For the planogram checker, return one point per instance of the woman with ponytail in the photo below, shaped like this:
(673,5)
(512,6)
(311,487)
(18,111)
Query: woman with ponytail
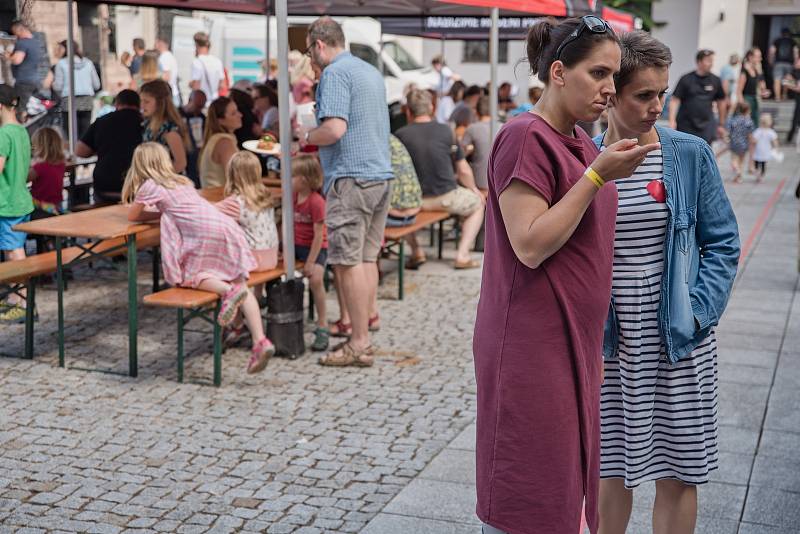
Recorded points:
(546,289)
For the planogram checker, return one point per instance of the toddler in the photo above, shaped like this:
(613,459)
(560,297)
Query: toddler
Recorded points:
(764,141)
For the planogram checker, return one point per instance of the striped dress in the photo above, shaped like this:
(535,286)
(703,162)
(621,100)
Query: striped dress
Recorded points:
(657,420)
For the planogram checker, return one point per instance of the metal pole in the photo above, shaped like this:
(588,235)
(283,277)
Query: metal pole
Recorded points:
(494,42)
(441,72)
(267,48)
(70,78)
(285,130)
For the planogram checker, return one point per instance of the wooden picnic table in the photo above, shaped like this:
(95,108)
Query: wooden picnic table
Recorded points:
(99,225)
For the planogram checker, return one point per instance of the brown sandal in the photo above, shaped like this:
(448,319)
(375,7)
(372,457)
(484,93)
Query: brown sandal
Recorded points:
(346,356)
(469,264)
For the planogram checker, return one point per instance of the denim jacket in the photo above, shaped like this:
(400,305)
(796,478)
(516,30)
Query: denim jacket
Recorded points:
(701,248)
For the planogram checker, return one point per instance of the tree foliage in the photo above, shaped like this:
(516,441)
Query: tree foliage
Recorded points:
(640,8)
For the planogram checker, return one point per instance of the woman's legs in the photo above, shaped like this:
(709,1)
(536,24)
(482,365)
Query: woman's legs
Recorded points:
(616,502)
(675,509)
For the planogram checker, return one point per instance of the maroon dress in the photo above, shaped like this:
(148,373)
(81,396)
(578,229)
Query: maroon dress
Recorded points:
(538,344)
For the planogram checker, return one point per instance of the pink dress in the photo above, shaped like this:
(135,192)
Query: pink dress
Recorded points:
(197,240)
(538,344)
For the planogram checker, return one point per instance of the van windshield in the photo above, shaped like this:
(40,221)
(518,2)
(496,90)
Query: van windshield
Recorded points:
(400,56)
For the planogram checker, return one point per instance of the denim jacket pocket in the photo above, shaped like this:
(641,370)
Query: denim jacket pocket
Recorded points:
(611,333)
(685,222)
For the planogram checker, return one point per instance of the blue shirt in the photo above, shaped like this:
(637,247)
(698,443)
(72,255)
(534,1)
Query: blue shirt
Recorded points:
(27,72)
(351,89)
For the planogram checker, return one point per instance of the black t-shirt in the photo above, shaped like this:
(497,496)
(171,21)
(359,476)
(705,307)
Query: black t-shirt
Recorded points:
(784,50)
(245,133)
(431,146)
(113,138)
(697,94)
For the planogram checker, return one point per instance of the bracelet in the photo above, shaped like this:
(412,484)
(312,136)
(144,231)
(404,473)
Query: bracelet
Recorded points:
(595,178)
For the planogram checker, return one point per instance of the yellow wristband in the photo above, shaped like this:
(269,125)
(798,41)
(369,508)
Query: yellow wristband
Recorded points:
(592,175)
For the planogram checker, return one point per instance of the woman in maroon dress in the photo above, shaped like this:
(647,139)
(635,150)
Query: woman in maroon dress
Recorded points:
(546,289)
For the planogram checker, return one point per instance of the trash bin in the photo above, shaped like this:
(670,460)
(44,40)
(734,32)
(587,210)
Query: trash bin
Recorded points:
(285,317)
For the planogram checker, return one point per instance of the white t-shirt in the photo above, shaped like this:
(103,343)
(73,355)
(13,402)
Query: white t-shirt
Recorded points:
(763,138)
(444,80)
(209,72)
(445,109)
(167,62)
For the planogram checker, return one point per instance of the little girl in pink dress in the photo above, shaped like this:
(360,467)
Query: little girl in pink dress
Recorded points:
(200,247)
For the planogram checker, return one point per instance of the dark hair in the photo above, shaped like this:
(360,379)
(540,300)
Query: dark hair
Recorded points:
(7,96)
(138,44)
(640,50)
(76,50)
(128,97)
(546,36)
(265,91)
(786,31)
(201,39)
(702,54)
(483,106)
(327,30)
(244,102)
(457,90)
(19,22)
(742,108)
(473,90)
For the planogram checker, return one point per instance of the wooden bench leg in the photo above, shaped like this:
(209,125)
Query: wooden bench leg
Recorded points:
(401,266)
(30,310)
(310,303)
(180,344)
(217,348)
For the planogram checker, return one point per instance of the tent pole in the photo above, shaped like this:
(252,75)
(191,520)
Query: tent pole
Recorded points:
(267,47)
(71,78)
(494,42)
(287,207)
(441,73)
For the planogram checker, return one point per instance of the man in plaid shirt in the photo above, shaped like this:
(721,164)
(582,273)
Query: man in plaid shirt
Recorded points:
(353,140)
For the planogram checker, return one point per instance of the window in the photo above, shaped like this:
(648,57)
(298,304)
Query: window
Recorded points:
(367,54)
(478,52)
(400,56)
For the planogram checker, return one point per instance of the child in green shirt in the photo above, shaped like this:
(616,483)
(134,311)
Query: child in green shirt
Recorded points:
(16,204)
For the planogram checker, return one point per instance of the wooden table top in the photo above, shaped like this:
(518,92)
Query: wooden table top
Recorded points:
(107,222)
(100,223)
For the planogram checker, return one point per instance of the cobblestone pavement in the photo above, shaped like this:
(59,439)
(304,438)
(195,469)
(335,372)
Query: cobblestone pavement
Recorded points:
(299,448)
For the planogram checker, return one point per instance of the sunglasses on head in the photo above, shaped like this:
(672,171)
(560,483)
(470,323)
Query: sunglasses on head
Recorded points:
(588,22)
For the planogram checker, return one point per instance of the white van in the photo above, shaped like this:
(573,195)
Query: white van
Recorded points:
(240,41)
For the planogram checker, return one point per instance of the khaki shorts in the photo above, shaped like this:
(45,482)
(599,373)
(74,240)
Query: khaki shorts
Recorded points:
(460,201)
(355,214)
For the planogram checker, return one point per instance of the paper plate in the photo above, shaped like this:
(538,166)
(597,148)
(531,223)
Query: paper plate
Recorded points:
(252,146)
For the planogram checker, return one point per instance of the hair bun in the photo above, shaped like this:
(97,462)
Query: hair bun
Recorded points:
(537,41)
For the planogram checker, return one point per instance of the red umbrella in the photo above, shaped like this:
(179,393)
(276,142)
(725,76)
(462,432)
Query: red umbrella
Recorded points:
(556,8)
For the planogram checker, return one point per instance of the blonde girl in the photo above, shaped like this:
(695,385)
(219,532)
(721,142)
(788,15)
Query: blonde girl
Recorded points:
(47,171)
(148,71)
(200,247)
(310,241)
(162,123)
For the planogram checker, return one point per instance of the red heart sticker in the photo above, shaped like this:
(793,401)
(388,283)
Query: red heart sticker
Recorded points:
(657,191)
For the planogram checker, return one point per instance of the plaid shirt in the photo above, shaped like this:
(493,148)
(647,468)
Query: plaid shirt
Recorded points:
(351,89)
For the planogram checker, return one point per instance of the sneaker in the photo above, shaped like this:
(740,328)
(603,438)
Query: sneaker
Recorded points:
(14,314)
(321,339)
(233,336)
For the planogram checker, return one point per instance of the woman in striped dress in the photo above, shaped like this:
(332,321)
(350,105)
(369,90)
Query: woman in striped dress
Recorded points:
(659,397)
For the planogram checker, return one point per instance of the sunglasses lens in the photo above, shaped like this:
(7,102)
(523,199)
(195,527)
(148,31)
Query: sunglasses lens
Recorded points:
(595,24)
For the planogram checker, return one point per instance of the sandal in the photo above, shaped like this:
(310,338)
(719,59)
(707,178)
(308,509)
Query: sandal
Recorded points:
(260,355)
(346,356)
(321,339)
(340,329)
(413,263)
(374,323)
(469,264)
(233,336)
(230,304)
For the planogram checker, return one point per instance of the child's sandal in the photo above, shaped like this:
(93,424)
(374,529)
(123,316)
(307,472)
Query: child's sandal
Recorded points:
(230,304)
(260,355)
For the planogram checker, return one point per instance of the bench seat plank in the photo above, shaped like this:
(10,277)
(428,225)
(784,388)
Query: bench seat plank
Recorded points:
(423,220)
